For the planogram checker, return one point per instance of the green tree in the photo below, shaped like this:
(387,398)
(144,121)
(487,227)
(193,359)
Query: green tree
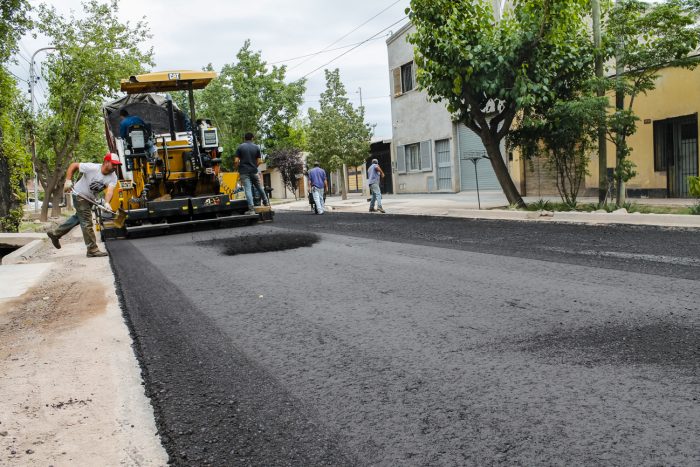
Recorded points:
(487,69)
(565,134)
(14,164)
(644,38)
(250,97)
(93,53)
(338,135)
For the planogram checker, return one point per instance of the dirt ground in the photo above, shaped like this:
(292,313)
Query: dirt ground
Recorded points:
(71,387)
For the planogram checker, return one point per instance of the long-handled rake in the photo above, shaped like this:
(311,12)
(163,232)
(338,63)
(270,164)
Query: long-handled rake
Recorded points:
(119,216)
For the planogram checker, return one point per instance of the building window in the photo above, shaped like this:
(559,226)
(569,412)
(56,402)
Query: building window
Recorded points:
(413,157)
(416,157)
(407,78)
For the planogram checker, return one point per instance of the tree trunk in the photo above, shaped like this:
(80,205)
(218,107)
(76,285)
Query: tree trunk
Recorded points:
(493,149)
(44,209)
(341,180)
(599,73)
(49,188)
(56,200)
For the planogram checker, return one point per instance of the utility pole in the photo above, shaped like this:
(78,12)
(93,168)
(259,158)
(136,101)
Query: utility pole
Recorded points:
(599,73)
(359,90)
(32,82)
(619,107)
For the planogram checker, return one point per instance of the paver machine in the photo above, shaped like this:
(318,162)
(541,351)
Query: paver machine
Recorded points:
(171,175)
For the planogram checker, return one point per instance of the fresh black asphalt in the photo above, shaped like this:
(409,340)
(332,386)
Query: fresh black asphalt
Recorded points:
(350,339)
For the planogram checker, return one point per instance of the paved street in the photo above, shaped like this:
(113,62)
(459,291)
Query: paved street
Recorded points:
(358,339)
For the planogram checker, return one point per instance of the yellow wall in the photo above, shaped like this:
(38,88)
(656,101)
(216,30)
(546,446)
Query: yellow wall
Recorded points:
(677,94)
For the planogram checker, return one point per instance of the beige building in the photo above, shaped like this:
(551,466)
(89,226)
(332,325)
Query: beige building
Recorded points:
(664,148)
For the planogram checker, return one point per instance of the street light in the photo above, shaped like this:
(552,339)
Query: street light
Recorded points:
(32,80)
(475,160)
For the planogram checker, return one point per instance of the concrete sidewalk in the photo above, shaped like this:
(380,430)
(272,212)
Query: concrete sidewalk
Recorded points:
(71,387)
(465,205)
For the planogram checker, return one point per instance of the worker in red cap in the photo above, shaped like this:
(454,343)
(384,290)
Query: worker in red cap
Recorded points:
(96,178)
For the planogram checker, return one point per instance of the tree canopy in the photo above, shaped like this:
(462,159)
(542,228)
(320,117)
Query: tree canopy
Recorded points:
(486,69)
(250,97)
(337,132)
(14,159)
(93,52)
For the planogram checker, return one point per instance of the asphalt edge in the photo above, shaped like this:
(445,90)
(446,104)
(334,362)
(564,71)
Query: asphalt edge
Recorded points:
(138,353)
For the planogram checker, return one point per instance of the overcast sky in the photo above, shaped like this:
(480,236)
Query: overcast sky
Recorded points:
(190,34)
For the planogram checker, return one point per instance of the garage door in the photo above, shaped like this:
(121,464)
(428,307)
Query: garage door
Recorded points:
(470,145)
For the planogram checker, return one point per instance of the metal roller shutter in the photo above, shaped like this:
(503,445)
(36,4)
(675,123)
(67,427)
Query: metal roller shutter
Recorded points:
(470,145)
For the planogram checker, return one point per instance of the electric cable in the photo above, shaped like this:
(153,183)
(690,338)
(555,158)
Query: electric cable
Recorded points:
(15,76)
(320,52)
(356,29)
(357,46)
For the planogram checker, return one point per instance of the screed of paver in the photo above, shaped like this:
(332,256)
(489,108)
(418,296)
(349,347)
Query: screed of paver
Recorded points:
(71,387)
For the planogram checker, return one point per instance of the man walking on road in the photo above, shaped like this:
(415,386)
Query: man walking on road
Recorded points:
(248,158)
(318,185)
(374,174)
(95,179)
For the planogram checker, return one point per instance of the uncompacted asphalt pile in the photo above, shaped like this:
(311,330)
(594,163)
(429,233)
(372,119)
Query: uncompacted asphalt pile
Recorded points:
(351,339)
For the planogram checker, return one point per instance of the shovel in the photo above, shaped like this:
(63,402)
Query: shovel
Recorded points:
(119,216)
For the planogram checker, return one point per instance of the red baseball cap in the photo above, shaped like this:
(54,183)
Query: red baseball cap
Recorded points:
(113,158)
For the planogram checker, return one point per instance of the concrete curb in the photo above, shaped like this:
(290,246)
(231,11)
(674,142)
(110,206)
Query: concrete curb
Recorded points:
(24,253)
(655,220)
(29,244)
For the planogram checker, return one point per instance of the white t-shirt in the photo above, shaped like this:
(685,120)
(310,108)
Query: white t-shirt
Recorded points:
(93,180)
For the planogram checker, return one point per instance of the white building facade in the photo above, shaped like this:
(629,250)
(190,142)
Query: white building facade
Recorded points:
(430,152)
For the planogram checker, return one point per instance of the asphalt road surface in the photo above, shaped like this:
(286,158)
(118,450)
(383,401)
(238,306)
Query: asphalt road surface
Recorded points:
(350,339)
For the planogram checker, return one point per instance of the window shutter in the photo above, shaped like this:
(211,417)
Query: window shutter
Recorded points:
(414,75)
(426,156)
(397,81)
(401,159)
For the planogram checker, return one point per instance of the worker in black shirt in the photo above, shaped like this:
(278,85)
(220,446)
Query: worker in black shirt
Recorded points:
(248,158)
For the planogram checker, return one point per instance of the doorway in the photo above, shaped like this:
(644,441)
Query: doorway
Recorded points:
(444,164)
(676,152)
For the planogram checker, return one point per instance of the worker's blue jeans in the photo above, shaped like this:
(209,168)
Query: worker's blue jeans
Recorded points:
(376,196)
(249,181)
(318,199)
(82,217)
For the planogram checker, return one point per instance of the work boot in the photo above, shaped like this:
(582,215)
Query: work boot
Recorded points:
(96,254)
(372,210)
(381,209)
(54,240)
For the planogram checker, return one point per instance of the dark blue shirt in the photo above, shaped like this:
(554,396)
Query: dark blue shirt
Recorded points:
(317,177)
(128,122)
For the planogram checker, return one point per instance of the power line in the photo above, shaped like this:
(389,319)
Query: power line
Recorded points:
(322,52)
(357,46)
(16,77)
(346,35)
(314,101)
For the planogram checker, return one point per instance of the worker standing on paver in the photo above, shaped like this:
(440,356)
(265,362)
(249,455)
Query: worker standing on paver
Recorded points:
(374,175)
(96,178)
(318,185)
(248,158)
